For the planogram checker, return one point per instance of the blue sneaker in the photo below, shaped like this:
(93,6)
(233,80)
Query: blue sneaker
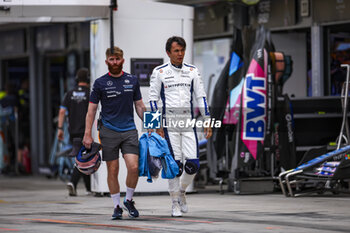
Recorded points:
(130,207)
(118,213)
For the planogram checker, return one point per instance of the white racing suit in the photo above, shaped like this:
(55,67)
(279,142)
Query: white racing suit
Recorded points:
(176,88)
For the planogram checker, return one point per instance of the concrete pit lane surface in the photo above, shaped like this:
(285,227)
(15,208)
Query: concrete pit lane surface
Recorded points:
(37,204)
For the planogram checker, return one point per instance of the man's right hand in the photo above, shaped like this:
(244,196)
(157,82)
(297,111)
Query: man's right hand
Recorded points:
(87,141)
(60,135)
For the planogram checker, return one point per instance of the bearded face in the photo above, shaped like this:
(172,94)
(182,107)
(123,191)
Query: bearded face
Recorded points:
(114,68)
(115,64)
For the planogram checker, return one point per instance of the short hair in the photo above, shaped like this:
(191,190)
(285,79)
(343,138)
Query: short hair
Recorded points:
(181,41)
(116,52)
(83,75)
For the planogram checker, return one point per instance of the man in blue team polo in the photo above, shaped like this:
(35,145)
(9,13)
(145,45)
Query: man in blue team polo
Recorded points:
(117,92)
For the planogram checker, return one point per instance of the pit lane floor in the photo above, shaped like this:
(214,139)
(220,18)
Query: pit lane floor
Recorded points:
(36,204)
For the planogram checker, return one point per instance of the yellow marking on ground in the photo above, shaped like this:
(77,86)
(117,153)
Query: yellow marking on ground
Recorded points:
(89,224)
(2,201)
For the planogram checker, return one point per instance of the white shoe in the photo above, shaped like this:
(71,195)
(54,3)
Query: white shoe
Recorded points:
(88,193)
(71,189)
(182,202)
(175,210)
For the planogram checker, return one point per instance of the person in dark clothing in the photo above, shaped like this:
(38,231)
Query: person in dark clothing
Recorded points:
(23,114)
(118,92)
(23,154)
(76,103)
(9,105)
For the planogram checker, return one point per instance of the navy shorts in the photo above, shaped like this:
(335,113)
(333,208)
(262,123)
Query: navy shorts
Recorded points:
(112,141)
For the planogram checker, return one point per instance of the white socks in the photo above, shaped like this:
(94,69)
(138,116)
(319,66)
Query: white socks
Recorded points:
(116,199)
(129,193)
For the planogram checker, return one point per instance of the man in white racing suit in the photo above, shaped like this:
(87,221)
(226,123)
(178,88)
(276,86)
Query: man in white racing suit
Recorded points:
(175,83)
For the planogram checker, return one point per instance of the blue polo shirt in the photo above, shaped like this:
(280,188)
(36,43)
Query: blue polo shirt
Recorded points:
(117,96)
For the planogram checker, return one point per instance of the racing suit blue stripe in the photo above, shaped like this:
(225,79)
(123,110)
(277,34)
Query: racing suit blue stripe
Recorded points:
(195,134)
(153,103)
(189,66)
(191,92)
(162,67)
(162,96)
(192,116)
(150,103)
(206,107)
(166,134)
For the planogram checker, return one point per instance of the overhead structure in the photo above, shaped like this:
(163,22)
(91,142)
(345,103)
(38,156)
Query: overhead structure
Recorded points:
(208,2)
(17,11)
